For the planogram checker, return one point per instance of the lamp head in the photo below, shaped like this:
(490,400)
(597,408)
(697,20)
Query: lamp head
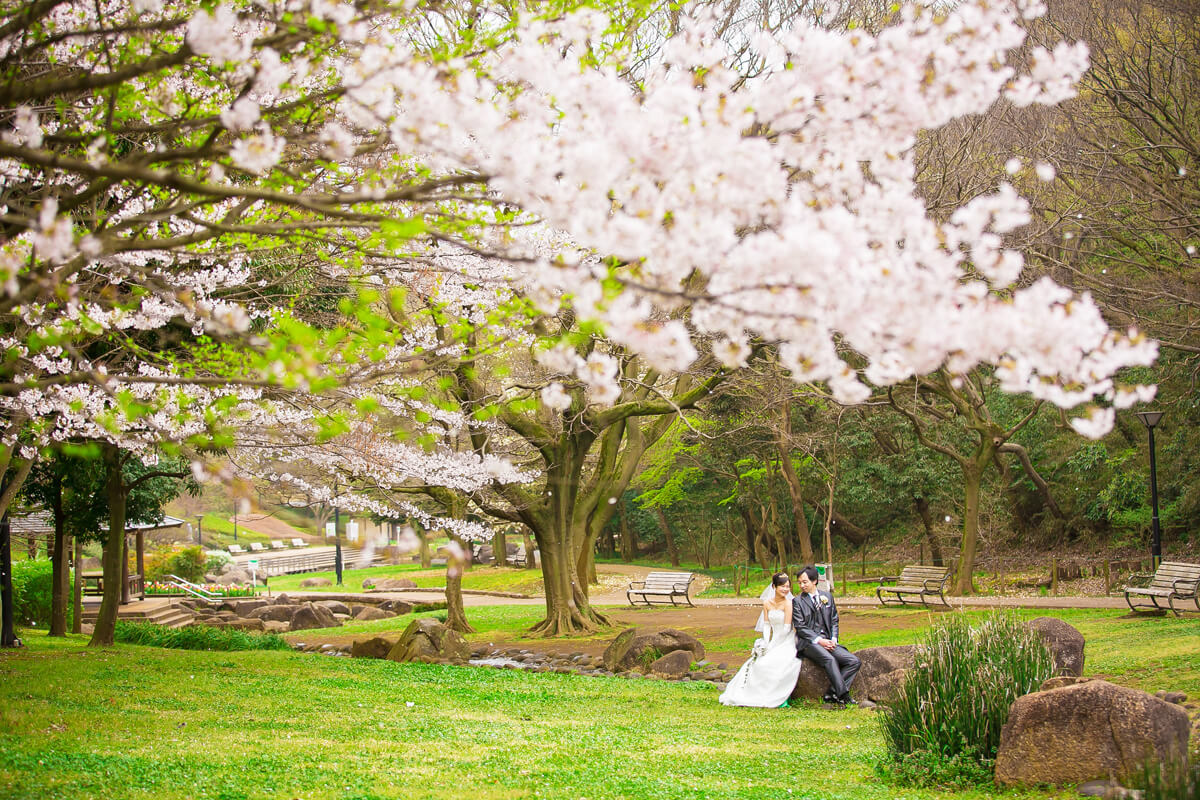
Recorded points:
(1150,418)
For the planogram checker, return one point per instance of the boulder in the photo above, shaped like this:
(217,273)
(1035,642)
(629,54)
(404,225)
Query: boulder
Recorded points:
(271,626)
(396,606)
(311,615)
(336,606)
(370,612)
(375,647)
(1064,642)
(633,649)
(1087,731)
(243,624)
(675,664)
(1059,681)
(235,577)
(394,583)
(427,639)
(244,607)
(274,613)
(284,600)
(309,583)
(368,583)
(879,678)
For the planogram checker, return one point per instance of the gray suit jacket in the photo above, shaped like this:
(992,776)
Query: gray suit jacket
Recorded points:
(812,623)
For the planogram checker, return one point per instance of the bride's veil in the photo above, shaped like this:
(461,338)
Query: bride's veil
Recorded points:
(767,594)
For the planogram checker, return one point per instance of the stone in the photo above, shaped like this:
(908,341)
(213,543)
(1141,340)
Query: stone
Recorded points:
(397,607)
(276,613)
(394,583)
(87,629)
(311,615)
(235,577)
(243,624)
(355,608)
(1111,790)
(284,600)
(429,639)
(1087,731)
(368,583)
(1064,642)
(244,607)
(1179,698)
(375,647)
(879,678)
(271,626)
(634,650)
(309,583)
(370,612)
(675,664)
(1059,681)
(336,606)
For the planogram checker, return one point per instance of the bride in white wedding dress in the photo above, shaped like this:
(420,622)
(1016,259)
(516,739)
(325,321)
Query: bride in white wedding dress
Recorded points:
(768,677)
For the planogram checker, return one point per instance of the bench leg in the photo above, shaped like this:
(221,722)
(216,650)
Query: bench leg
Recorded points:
(1171,603)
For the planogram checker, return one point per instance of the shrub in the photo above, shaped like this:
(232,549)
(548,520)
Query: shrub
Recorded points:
(187,562)
(924,768)
(196,637)
(32,582)
(956,698)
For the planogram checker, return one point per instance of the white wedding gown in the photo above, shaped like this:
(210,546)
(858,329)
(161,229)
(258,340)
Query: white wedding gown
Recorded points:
(767,680)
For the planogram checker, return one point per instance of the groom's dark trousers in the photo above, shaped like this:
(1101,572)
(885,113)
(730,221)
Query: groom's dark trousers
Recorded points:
(819,619)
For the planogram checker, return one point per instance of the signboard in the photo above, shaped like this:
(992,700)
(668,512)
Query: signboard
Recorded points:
(330,530)
(352,531)
(825,577)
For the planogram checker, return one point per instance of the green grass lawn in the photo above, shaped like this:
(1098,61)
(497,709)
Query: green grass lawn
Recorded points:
(139,722)
(135,722)
(484,578)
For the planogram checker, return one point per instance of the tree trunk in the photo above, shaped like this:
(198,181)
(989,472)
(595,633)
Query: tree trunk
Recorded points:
(59,564)
(530,561)
(935,549)
(456,615)
(796,492)
(77,587)
(500,549)
(964,581)
(114,549)
(426,556)
(665,524)
(628,543)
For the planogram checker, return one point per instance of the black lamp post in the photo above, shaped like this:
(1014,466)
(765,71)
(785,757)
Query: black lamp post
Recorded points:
(1150,419)
(200,529)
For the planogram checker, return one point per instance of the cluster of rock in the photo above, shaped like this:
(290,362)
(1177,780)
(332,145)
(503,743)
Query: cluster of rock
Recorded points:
(282,614)
(658,655)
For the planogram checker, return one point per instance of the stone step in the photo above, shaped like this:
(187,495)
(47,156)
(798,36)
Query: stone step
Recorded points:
(169,616)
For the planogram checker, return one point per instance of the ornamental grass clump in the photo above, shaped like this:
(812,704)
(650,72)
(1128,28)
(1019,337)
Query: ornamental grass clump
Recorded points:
(196,637)
(956,698)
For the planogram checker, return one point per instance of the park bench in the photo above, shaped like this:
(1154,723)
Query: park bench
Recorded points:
(299,543)
(276,544)
(668,585)
(1173,580)
(236,550)
(256,547)
(924,582)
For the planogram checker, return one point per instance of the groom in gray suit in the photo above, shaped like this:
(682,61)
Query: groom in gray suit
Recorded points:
(815,618)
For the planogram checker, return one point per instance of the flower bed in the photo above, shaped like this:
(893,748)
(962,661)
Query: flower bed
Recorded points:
(159,589)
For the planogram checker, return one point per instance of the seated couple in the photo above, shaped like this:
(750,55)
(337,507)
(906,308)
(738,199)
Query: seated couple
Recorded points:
(793,627)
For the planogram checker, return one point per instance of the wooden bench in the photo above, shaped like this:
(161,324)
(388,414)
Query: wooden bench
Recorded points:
(924,582)
(662,584)
(299,543)
(236,550)
(256,547)
(276,544)
(1173,580)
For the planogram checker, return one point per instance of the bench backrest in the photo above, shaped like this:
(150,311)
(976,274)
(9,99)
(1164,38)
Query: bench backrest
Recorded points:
(667,580)
(236,548)
(298,543)
(256,546)
(916,576)
(1169,572)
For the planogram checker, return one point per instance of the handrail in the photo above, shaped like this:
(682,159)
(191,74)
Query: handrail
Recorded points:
(194,589)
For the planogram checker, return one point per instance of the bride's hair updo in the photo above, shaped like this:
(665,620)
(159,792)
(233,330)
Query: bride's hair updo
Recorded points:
(779,579)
